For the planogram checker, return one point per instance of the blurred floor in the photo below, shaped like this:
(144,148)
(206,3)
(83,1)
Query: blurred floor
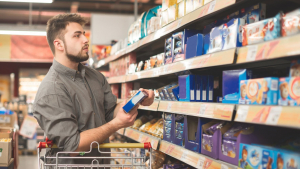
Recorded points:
(28,162)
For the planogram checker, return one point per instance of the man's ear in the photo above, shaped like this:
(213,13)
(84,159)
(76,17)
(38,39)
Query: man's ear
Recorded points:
(58,44)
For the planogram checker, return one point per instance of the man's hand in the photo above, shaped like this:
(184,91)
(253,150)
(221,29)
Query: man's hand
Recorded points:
(124,119)
(150,99)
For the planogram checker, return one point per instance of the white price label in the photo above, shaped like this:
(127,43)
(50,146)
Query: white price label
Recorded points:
(28,128)
(200,163)
(251,55)
(224,166)
(202,109)
(212,6)
(169,107)
(242,113)
(274,115)
(184,155)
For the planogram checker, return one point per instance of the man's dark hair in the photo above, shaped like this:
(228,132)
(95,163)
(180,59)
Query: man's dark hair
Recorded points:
(56,26)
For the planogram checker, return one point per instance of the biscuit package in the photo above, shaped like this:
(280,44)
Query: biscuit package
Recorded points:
(261,31)
(228,148)
(254,13)
(262,91)
(232,34)
(207,142)
(289,91)
(291,23)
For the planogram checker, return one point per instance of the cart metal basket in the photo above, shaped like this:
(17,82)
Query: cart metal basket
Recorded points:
(95,163)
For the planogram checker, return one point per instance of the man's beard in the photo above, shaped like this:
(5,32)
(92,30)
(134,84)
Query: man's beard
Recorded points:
(77,58)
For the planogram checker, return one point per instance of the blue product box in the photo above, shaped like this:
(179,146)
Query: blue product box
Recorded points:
(179,43)
(171,93)
(219,99)
(168,117)
(194,46)
(167,130)
(206,43)
(295,68)
(169,50)
(254,13)
(176,92)
(286,159)
(232,34)
(216,42)
(186,88)
(255,157)
(231,82)
(179,126)
(210,88)
(204,83)
(136,99)
(198,88)
(262,91)
(234,15)
(288,93)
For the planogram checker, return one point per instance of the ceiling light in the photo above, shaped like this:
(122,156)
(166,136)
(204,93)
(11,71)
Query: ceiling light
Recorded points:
(28,1)
(33,33)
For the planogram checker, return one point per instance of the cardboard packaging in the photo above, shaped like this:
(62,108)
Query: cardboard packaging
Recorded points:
(192,131)
(295,68)
(231,84)
(232,34)
(169,50)
(173,94)
(168,130)
(179,133)
(198,88)
(216,41)
(265,30)
(172,13)
(207,84)
(6,132)
(10,165)
(290,23)
(194,46)
(186,88)
(289,91)
(286,159)
(5,151)
(210,143)
(136,99)
(254,13)
(181,8)
(262,91)
(179,43)
(7,119)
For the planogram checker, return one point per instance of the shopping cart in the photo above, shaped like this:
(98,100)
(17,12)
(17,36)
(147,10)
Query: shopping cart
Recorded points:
(95,163)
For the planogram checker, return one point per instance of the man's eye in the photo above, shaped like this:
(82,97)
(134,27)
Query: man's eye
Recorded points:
(77,36)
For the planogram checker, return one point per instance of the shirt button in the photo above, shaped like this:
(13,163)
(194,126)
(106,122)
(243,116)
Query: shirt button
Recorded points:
(77,72)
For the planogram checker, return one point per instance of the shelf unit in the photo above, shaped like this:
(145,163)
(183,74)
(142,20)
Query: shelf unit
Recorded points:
(192,158)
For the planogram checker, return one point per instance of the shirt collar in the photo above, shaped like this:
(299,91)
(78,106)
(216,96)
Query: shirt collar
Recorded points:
(70,73)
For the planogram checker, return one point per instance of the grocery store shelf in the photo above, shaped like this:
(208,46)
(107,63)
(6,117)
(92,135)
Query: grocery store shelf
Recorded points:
(282,47)
(199,109)
(194,159)
(153,107)
(284,116)
(214,59)
(173,26)
(142,137)
(116,79)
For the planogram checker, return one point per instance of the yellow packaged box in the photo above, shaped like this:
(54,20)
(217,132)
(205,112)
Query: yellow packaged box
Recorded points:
(6,132)
(164,18)
(181,8)
(167,3)
(198,3)
(172,13)
(189,6)
(5,151)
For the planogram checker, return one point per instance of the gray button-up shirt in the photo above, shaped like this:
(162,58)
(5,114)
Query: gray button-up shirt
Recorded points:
(69,102)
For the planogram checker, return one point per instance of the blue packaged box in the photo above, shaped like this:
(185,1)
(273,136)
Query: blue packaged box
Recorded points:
(194,46)
(176,92)
(171,93)
(231,82)
(234,15)
(210,88)
(168,50)
(255,157)
(254,13)
(216,42)
(262,91)
(136,99)
(288,93)
(179,126)
(168,123)
(286,159)
(186,88)
(198,88)
(232,34)
(204,82)
(179,43)
(295,68)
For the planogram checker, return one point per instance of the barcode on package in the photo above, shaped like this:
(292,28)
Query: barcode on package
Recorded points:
(192,95)
(198,95)
(274,85)
(210,95)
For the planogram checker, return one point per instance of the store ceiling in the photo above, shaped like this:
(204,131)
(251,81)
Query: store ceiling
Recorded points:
(18,13)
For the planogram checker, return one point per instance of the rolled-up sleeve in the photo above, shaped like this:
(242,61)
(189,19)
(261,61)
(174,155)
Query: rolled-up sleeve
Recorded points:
(110,100)
(55,115)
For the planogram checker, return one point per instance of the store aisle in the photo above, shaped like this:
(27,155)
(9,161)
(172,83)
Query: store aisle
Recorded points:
(28,162)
